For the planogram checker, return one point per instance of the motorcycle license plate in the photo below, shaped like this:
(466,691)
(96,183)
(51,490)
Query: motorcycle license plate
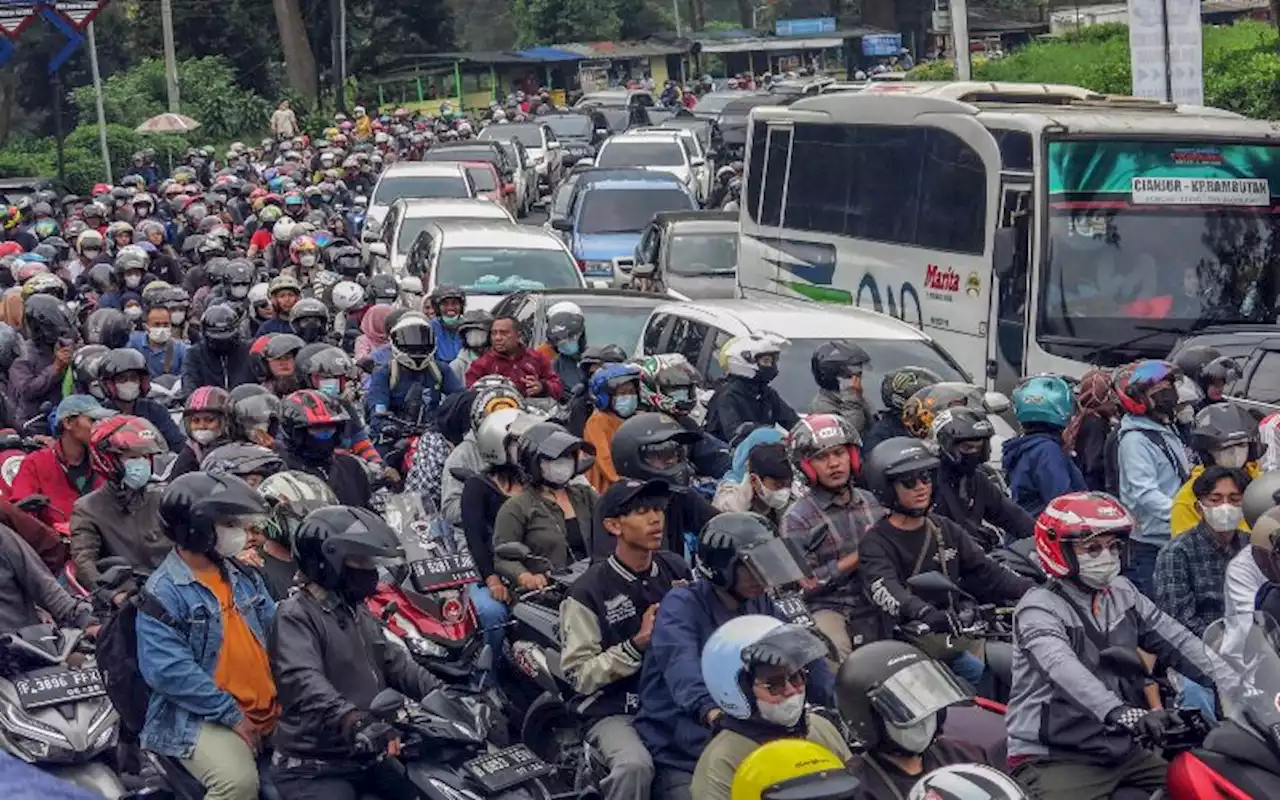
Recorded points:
(510,766)
(55,686)
(443,572)
(793,608)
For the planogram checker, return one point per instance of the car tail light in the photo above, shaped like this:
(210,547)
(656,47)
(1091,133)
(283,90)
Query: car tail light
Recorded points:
(1189,778)
(582,265)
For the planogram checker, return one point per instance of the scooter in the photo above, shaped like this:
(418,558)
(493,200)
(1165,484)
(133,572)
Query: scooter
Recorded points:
(54,711)
(13,449)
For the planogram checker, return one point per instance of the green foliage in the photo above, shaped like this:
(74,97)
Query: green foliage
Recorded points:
(540,22)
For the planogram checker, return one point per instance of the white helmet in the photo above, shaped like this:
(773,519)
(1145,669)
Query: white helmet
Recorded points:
(738,355)
(411,284)
(564,307)
(258,294)
(89,238)
(491,436)
(283,231)
(347,295)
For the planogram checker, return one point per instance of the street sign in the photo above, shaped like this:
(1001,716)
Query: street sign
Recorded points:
(79,12)
(68,30)
(16,16)
(804,27)
(1165,49)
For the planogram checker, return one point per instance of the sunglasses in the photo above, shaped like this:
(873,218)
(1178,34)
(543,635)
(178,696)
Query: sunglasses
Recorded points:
(912,481)
(795,680)
(1093,549)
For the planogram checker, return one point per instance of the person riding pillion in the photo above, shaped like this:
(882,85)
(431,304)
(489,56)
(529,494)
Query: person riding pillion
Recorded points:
(837,370)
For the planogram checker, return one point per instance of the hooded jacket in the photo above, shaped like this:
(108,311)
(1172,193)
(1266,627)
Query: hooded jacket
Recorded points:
(740,400)
(1039,470)
(204,367)
(34,379)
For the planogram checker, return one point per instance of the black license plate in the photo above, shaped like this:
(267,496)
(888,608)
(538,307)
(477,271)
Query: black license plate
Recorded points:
(508,767)
(794,608)
(444,572)
(55,686)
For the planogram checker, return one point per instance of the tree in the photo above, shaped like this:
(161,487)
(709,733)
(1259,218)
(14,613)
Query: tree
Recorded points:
(300,62)
(549,21)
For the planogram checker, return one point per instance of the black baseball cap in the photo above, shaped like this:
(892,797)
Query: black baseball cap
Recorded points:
(620,495)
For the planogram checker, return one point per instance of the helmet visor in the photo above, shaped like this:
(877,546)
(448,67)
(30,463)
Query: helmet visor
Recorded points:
(911,694)
(791,647)
(664,455)
(776,563)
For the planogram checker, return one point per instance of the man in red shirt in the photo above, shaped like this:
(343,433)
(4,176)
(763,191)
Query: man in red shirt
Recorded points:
(62,472)
(507,356)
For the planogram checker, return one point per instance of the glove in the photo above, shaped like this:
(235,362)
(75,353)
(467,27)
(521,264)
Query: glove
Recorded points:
(940,621)
(371,736)
(1144,724)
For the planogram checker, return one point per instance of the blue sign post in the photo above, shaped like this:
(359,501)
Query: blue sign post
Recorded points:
(805,27)
(74,39)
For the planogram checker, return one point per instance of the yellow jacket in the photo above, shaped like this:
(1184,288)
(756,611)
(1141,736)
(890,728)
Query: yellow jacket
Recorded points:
(1184,515)
(599,430)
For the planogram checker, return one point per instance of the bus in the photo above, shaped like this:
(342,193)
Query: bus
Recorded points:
(1030,228)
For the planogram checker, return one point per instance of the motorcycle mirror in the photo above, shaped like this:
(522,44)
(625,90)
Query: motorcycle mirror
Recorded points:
(996,402)
(1125,661)
(387,704)
(32,503)
(512,551)
(935,583)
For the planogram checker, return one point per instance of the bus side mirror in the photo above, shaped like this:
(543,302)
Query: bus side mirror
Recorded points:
(1003,249)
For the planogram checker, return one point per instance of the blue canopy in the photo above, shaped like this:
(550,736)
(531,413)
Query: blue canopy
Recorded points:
(550,54)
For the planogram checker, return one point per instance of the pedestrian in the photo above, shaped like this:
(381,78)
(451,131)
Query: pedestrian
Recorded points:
(284,123)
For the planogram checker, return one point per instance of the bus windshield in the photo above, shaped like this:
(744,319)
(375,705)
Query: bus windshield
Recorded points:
(1148,240)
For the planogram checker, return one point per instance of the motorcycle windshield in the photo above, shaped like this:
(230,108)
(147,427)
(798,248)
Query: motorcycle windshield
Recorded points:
(1244,650)
(419,527)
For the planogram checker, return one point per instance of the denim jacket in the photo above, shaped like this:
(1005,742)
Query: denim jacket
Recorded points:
(1148,479)
(178,665)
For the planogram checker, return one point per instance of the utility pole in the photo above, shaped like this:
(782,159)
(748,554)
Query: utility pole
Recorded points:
(342,55)
(97,100)
(960,38)
(675,9)
(170,57)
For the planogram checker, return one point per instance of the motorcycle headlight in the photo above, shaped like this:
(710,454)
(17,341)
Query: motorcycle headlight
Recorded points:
(102,727)
(34,749)
(26,727)
(426,647)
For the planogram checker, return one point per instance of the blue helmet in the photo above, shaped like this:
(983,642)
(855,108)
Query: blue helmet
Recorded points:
(608,378)
(745,641)
(1046,399)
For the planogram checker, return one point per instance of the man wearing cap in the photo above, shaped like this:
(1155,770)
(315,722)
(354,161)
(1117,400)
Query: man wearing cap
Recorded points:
(605,625)
(62,471)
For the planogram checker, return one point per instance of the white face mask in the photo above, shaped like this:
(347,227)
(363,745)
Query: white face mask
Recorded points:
(178,317)
(1224,518)
(787,713)
(917,738)
(159,334)
(476,339)
(239,291)
(776,499)
(1098,573)
(134,313)
(204,435)
(128,391)
(133,281)
(559,471)
(1185,415)
(1235,456)
(231,539)
(307,260)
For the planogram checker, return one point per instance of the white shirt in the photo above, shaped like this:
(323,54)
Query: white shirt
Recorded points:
(1243,580)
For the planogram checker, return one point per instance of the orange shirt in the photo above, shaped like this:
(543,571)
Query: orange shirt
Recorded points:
(243,670)
(599,430)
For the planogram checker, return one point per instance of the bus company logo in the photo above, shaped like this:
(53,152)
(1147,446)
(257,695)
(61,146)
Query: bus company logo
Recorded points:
(941,280)
(1197,155)
(973,284)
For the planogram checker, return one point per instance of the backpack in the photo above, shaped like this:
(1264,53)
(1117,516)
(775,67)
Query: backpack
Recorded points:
(1111,456)
(118,658)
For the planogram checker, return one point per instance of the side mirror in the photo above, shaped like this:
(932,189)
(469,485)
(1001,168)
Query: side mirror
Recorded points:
(361,201)
(699,162)
(602,132)
(1124,661)
(562,224)
(554,145)
(387,704)
(512,551)
(996,402)
(1003,248)
(934,583)
(378,249)
(508,189)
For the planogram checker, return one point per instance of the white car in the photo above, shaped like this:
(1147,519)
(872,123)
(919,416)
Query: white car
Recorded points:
(490,259)
(407,218)
(413,180)
(694,150)
(655,150)
(540,142)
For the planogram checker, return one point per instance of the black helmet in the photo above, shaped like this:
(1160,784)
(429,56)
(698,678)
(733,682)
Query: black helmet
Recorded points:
(305,408)
(476,319)
(84,367)
(548,441)
(309,318)
(10,346)
(238,278)
(327,536)
(46,320)
(746,538)
(220,326)
(383,288)
(1194,359)
(651,445)
(443,292)
(120,361)
(967,782)
(832,361)
(319,360)
(596,354)
(891,682)
(898,385)
(893,458)
(108,326)
(254,408)
(195,503)
(1222,425)
(102,278)
(242,460)
(952,427)
(283,345)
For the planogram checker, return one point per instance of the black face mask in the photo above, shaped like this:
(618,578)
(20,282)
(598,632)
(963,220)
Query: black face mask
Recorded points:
(309,330)
(1165,401)
(968,463)
(222,344)
(356,584)
(765,375)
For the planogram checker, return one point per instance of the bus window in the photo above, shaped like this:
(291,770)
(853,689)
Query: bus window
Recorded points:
(775,176)
(1011,303)
(755,167)
(953,196)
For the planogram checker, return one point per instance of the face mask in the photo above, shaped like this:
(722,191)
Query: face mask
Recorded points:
(204,435)
(1186,415)
(137,472)
(559,471)
(626,404)
(159,334)
(776,499)
(133,281)
(239,291)
(476,339)
(129,391)
(221,345)
(357,584)
(451,322)
(787,713)
(568,348)
(968,463)
(319,445)
(766,374)
(91,254)
(917,738)
(846,388)
(1234,456)
(1165,401)
(331,386)
(1224,518)
(178,317)
(307,261)
(134,313)
(1098,573)
(231,539)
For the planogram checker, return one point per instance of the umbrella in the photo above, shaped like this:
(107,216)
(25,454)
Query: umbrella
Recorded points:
(168,123)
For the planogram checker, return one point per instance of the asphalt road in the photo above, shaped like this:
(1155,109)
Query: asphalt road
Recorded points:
(537,216)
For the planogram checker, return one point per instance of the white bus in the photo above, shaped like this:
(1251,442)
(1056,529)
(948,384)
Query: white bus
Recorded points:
(1082,229)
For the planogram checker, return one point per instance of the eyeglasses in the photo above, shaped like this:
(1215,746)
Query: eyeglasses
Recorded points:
(796,680)
(912,481)
(1094,548)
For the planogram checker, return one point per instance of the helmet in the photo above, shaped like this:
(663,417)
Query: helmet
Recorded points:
(239,278)
(818,433)
(1135,380)
(793,768)
(89,240)
(413,342)
(108,326)
(282,232)
(327,536)
(967,782)
(565,323)
(207,400)
(738,356)
(597,354)
(738,645)
(650,445)
(668,383)
(891,683)
(284,283)
(45,319)
(291,496)
(498,433)
(305,408)
(1192,361)
(547,441)
(116,438)
(919,410)
(896,457)
(11,346)
(476,319)
(742,538)
(493,393)
(446,291)
(1262,495)
(955,427)
(383,288)
(242,460)
(120,362)
(259,295)
(45,283)
(1222,425)
(1043,399)
(309,318)
(346,295)
(899,385)
(1216,376)
(1073,517)
(84,365)
(832,361)
(195,505)
(220,324)
(131,258)
(254,409)
(607,380)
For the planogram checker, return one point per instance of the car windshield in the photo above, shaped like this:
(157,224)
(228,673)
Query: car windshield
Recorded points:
(715,102)
(795,378)
(702,254)
(628,210)
(410,227)
(571,126)
(483,178)
(641,154)
(1151,240)
(527,135)
(613,323)
(500,270)
(419,187)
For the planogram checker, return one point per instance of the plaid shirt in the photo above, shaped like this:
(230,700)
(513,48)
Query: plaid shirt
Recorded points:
(845,526)
(1190,575)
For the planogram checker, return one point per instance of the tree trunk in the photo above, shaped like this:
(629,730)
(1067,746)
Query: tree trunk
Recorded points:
(300,62)
(8,101)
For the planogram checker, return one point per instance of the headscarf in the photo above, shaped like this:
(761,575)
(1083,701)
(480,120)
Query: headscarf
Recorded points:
(374,328)
(1094,397)
(11,309)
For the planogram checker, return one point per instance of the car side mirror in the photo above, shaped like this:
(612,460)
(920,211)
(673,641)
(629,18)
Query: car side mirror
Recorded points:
(1003,248)
(699,162)
(562,224)
(602,132)
(553,145)
(508,189)
(378,249)
(512,551)
(996,402)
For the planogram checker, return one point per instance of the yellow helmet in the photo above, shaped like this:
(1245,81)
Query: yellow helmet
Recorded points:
(793,769)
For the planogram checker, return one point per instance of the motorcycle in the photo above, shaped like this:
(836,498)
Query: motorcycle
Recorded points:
(54,711)
(13,449)
(1019,557)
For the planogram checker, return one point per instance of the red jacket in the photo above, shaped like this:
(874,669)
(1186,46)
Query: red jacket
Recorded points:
(42,473)
(516,368)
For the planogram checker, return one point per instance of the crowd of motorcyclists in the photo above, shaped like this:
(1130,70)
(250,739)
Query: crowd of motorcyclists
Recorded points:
(210,401)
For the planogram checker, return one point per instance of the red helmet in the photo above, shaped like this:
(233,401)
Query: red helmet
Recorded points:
(1077,517)
(818,433)
(305,408)
(116,438)
(1133,381)
(100,189)
(209,400)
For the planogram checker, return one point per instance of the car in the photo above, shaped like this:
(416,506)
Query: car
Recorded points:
(562,199)
(14,189)
(525,175)
(541,142)
(607,217)
(1256,350)
(484,176)
(618,98)
(697,154)
(581,133)
(406,219)
(491,258)
(613,316)
(620,119)
(711,104)
(474,150)
(704,129)
(413,180)
(801,87)
(656,150)
(694,252)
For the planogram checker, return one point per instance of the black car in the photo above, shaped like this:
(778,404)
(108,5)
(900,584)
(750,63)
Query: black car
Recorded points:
(1256,349)
(695,253)
(613,316)
(581,132)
